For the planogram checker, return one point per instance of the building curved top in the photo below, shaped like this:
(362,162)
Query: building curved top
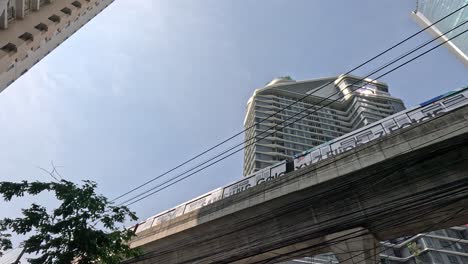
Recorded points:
(279,80)
(325,87)
(305,86)
(287,85)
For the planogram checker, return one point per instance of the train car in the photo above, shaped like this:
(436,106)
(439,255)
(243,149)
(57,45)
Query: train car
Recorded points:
(196,203)
(256,178)
(423,112)
(259,177)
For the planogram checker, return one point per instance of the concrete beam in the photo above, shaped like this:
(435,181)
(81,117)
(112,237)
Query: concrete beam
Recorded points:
(360,246)
(413,181)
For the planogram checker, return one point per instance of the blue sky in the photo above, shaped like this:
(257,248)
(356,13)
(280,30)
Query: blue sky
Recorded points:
(150,83)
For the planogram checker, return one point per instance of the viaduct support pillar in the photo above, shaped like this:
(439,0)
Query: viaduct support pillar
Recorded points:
(354,246)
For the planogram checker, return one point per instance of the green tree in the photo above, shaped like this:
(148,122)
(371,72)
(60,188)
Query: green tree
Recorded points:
(414,250)
(85,228)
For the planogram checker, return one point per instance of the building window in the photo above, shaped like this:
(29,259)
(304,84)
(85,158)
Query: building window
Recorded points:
(10,12)
(445,244)
(453,259)
(42,27)
(27,6)
(43,2)
(27,36)
(429,242)
(10,47)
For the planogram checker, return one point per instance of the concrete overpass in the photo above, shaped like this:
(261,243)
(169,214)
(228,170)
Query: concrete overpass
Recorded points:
(410,182)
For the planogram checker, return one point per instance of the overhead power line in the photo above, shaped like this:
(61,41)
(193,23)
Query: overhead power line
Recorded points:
(272,115)
(291,117)
(383,226)
(348,184)
(367,211)
(335,241)
(172,181)
(429,199)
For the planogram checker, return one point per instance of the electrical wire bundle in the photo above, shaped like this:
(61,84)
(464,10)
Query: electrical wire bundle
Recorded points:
(438,202)
(295,118)
(442,200)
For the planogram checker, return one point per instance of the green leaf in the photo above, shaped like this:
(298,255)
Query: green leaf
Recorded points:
(69,232)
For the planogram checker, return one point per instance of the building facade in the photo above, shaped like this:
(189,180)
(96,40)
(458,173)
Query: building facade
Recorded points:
(448,246)
(438,247)
(333,107)
(429,11)
(30,29)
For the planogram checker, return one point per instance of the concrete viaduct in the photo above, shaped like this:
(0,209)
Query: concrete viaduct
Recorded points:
(410,182)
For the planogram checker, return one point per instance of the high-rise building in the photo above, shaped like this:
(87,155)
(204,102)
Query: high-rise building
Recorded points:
(429,11)
(30,29)
(448,246)
(348,103)
(336,106)
(441,246)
